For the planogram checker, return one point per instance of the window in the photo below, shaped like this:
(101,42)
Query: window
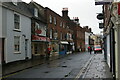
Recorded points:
(50,17)
(51,32)
(35,12)
(60,24)
(55,21)
(63,25)
(17,44)
(37,26)
(16,21)
(61,36)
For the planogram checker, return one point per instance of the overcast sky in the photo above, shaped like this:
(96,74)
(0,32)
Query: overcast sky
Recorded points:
(85,10)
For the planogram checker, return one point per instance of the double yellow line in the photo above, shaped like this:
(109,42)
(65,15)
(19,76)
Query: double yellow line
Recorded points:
(82,71)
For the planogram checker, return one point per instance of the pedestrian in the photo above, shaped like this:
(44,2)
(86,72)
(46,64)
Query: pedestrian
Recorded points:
(89,49)
(48,51)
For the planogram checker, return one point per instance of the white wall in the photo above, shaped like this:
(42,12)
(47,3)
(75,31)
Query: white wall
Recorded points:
(108,50)
(86,40)
(25,25)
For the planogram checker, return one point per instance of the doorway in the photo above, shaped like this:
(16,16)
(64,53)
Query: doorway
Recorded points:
(26,48)
(2,50)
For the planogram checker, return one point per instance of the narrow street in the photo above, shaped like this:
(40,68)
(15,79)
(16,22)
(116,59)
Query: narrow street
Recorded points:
(65,67)
(72,66)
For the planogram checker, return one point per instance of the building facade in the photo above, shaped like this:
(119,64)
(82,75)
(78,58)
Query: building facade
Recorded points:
(16,28)
(38,30)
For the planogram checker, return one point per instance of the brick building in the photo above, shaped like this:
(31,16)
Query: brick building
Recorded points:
(59,33)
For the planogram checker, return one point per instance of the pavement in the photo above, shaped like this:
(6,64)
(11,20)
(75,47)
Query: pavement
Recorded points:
(97,68)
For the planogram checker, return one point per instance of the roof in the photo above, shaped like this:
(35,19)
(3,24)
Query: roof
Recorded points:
(21,8)
(33,5)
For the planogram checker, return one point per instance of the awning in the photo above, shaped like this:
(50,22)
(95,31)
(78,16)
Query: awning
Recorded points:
(40,38)
(64,42)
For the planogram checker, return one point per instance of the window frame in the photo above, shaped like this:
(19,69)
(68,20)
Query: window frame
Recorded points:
(55,21)
(19,50)
(35,12)
(17,22)
(50,18)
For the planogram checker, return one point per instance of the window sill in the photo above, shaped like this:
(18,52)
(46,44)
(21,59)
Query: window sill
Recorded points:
(17,52)
(17,30)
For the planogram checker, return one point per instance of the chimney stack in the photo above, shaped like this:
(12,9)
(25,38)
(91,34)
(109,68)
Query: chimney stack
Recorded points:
(65,12)
(76,19)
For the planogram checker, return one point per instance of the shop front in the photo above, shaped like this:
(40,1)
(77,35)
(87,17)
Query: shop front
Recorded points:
(55,47)
(63,47)
(39,45)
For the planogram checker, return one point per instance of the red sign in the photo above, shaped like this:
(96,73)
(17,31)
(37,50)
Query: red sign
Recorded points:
(39,38)
(38,31)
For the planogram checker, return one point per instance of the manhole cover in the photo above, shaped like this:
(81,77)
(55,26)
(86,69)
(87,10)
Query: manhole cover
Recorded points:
(46,72)
(69,59)
(64,66)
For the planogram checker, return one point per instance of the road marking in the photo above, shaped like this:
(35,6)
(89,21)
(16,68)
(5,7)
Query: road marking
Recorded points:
(83,69)
(6,76)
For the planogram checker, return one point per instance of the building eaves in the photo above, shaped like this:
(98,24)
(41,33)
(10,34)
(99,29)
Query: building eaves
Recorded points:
(53,12)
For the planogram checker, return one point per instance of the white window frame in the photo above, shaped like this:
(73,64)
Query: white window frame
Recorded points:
(35,12)
(19,50)
(19,22)
(50,18)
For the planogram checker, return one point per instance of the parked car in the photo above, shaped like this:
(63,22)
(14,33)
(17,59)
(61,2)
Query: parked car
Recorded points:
(97,48)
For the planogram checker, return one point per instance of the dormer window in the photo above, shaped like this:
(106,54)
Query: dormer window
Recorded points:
(35,12)
(14,2)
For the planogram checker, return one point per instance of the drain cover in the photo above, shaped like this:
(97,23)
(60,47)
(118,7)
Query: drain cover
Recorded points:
(64,66)
(46,72)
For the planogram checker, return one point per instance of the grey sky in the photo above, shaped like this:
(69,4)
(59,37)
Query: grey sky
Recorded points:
(84,9)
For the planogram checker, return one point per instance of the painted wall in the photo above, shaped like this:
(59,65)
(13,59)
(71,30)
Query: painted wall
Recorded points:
(86,40)
(25,26)
(108,50)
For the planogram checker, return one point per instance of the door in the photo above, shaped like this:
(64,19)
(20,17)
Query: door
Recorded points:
(26,48)
(2,50)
